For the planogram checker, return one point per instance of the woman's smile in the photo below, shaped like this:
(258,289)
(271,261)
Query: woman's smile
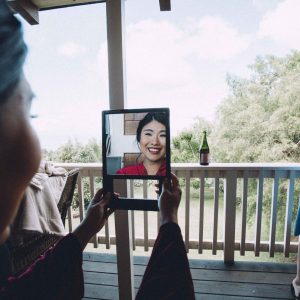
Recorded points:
(154,150)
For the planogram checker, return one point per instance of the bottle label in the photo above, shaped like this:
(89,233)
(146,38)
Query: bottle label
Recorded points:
(204,158)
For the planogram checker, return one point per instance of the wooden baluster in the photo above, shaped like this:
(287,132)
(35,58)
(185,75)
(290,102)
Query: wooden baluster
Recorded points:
(131,195)
(272,235)
(244,212)
(146,229)
(187,210)
(92,194)
(216,213)
(201,213)
(258,218)
(289,213)
(80,197)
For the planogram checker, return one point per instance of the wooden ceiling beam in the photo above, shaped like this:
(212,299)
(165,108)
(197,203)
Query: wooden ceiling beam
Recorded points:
(165,5)
(26,9)
(29,9)
(54,4)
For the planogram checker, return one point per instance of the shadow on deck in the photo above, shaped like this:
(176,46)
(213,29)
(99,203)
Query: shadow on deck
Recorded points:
(212,279)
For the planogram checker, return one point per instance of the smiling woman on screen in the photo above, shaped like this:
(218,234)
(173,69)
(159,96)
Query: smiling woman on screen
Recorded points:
(151,138)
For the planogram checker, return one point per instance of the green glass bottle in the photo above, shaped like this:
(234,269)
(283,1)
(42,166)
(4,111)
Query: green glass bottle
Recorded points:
(204,151)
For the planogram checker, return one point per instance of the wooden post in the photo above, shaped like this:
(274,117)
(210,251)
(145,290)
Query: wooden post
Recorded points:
(115,10)
(124,247)
(289,214)
(274,207)
(229,216)
(216,213)
(187,210)
(258,217)
(26,9)
(244,212)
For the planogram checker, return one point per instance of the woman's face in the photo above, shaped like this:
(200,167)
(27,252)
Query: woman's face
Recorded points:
(19,153)
(153,141)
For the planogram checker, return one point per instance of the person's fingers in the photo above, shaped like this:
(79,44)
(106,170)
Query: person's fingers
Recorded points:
(178,192)
(98,197)
(103,201)
(110,211)
(166,184)
(175,181)
(106,199)
(99,192)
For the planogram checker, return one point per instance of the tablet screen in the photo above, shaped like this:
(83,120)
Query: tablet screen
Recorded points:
(135,144)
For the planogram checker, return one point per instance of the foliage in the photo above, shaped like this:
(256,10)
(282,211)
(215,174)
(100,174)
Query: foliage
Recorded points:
(260,120)
(75,152)
(185,146)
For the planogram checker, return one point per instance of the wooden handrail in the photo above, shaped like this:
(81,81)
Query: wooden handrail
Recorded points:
(235,178)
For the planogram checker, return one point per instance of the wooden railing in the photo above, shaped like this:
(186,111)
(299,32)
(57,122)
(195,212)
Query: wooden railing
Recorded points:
(224,207)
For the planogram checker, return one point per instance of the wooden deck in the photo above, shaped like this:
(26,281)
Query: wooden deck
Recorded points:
(212,279)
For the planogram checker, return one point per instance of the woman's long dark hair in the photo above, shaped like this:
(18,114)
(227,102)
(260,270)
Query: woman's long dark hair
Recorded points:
(12,51)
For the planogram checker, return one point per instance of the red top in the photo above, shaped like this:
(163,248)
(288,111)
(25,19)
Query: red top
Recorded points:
(139,169)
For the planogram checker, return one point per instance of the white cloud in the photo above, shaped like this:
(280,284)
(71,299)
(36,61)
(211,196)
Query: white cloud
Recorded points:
(101,68)
(262,6)
(282,24)
(216,39)
(71,49)
(167,66)
(159,51)
(60,123)
(156,55)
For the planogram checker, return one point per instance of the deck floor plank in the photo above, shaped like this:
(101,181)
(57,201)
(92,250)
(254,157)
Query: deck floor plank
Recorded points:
(212,279)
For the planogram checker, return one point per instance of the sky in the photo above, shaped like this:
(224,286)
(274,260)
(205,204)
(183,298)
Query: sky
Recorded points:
(177,59)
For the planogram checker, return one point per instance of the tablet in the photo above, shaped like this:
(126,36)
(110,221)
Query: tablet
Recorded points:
(135,146)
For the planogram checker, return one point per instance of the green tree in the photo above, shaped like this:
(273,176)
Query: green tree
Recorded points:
(75,152)
(260,119)
(185,146)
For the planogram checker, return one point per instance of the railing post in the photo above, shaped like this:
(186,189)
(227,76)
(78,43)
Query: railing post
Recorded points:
(289,214)
(258,217)
(274,207)
(229,216)
(244,212)
(201,213)
(80,197)
(216,213)
(187,210)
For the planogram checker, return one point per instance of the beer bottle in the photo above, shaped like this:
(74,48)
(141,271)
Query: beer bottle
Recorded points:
(204,151)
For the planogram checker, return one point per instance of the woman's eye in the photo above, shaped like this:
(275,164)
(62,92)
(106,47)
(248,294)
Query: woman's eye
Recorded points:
(33,116)
(148,134)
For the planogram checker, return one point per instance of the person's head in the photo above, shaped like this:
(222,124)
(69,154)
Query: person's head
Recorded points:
(19,147)
(151,136)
